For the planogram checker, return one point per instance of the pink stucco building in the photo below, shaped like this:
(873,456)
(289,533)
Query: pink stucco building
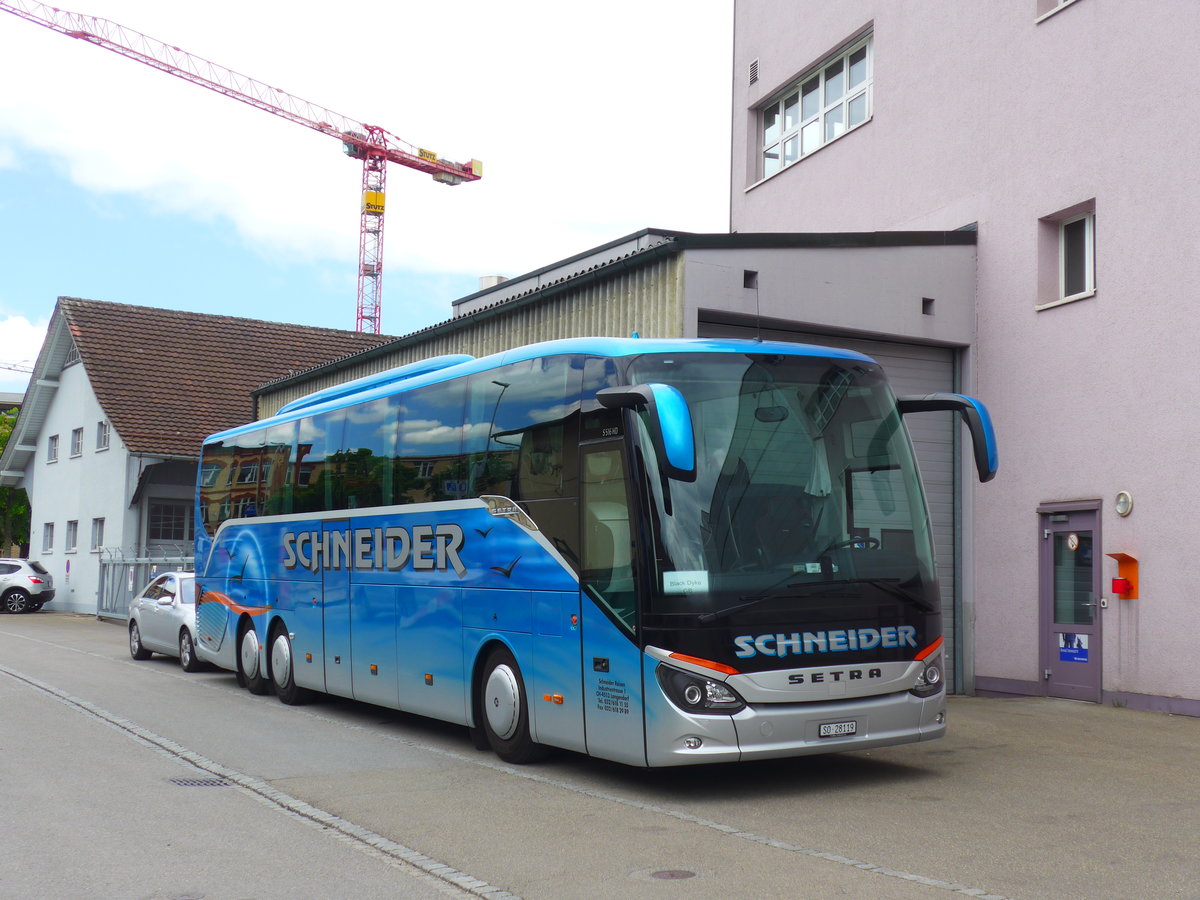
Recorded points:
(1064,134)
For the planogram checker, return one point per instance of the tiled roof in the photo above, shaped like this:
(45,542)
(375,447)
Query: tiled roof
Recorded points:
(167,379)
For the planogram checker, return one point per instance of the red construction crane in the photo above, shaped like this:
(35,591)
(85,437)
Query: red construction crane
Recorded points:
(370,143)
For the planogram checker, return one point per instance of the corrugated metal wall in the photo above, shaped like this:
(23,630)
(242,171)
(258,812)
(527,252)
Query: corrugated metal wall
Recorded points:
(646,298)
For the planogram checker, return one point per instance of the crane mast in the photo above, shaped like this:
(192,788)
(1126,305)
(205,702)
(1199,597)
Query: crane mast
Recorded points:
(373,145)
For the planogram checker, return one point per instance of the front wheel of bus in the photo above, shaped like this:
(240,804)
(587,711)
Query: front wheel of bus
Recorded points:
(250,662)
(283,672)
(505,711)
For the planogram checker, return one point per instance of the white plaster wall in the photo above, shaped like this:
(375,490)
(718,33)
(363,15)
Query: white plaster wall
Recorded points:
(92,485)
(982,115)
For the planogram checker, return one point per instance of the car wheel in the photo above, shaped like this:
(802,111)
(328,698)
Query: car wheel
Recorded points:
(136,650)
(187,652)
(17,601)
(505,711)
(283,671)
(250,662)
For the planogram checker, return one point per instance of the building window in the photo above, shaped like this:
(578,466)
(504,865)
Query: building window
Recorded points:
(1067,255)
(97,534)
(169,521)
(48,537)
(102,435)
(1046,8)
(1077,263)
(72,537)
(77,442)
(827,102)
(52,449)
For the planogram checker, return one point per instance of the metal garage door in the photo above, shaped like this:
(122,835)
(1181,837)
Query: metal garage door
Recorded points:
(912,369)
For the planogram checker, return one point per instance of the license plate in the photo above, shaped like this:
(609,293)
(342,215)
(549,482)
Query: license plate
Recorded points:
(838,729)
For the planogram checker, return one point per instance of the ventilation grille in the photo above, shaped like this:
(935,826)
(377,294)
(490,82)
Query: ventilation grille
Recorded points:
(754,71)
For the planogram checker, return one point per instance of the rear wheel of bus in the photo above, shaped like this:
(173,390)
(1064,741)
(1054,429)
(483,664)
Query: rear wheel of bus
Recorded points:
(250,667)
(505,710)
(283,672)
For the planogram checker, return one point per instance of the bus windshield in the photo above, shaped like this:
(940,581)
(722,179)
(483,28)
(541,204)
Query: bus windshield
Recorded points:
(806,492)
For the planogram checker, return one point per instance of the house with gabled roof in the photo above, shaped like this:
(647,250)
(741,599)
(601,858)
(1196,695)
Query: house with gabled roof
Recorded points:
(120,399)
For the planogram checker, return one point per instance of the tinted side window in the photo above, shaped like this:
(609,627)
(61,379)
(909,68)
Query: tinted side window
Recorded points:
(368,447)
(216,473)
(244,500)
(8,568)
(276,478)
(523,429)
(429,464)
(317,463)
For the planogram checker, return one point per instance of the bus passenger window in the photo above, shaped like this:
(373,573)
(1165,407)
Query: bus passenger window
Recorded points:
(607,540)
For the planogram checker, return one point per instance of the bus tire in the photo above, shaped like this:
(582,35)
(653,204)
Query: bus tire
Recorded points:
(283,669)
(504,710)
(250,662)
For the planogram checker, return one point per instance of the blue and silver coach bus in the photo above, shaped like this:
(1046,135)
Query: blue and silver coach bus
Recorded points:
(658,552)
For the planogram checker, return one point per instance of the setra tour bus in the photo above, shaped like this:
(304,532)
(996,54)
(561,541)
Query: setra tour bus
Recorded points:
(658,552)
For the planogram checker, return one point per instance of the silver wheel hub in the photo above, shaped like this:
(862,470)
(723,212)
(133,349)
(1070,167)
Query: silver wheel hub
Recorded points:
(502,702)
(135,637)
(249,654)
(281,660)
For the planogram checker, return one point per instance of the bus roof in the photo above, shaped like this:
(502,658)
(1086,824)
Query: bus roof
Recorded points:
(444,368)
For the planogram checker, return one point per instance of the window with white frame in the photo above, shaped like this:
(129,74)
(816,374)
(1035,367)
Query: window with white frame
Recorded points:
(1043,9)
(829,101)
(52,448)
(77,442)
(48,537)
(72,537)
(97,534)
(103,434)
(1067,255)
(1077,257)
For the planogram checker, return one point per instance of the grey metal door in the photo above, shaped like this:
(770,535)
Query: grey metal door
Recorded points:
(1069,579)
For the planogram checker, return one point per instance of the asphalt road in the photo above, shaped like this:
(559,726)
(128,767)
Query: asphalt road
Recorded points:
(135,780)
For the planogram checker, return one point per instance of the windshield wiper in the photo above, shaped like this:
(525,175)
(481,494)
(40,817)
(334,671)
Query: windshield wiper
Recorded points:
(887,585)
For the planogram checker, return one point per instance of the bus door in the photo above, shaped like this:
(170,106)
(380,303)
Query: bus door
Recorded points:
(335,606)
(612,668)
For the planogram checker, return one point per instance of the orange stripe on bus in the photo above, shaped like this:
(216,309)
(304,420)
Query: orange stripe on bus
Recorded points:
(931,649)
(706,663)
(218,597)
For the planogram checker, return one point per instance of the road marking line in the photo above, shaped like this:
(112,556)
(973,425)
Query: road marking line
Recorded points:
(344,828)
(731,830)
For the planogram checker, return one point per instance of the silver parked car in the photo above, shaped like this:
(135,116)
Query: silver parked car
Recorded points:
(25,585)
(162,619)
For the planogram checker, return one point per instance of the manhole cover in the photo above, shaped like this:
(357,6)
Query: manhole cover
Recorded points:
(198,782)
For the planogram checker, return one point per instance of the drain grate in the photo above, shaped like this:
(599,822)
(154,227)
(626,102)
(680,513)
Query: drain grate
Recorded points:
(198,782)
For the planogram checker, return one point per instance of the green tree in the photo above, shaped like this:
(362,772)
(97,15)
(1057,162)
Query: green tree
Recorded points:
(14,504)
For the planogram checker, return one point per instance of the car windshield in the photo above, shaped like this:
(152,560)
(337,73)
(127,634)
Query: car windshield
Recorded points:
(806,491)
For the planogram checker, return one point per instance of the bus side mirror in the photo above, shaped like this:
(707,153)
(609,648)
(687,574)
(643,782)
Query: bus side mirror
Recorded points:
(974,413)
(669,421)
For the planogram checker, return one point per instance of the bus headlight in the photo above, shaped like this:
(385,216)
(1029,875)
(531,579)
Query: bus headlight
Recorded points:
(929,682)
(697,694)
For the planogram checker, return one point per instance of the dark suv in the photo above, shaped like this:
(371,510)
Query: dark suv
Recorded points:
(25,585)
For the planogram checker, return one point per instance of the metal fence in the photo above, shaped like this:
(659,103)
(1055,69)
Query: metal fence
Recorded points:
(123,574)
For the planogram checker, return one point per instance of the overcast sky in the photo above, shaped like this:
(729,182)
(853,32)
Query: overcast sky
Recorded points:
(120,183)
